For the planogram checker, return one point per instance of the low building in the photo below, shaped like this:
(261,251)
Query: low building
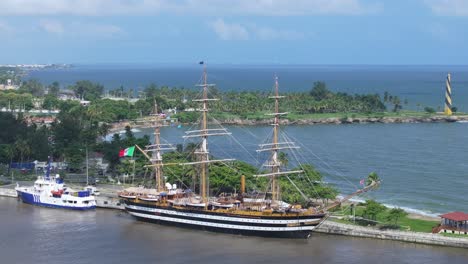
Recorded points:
(7,87)
(454,223)
(67,95)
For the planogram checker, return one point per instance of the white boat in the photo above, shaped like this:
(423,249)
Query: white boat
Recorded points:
(50,192)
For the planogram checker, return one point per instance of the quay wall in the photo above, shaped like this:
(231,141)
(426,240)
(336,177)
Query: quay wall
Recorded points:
(109,202)
(8,192)
(335,228)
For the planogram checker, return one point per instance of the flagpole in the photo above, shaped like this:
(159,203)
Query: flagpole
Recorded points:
(133,176)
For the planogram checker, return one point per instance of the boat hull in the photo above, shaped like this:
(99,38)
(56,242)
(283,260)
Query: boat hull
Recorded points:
(264,226)
(273,234)
(35,199)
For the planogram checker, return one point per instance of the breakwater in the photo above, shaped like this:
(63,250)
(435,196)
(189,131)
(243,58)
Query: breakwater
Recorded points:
(330,227)
(120,126)
(351,120)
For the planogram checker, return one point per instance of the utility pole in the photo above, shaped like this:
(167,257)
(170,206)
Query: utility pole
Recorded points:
(87,167)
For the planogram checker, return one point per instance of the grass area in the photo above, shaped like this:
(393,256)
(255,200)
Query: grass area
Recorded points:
(405,223)
(454,235)
(417,225)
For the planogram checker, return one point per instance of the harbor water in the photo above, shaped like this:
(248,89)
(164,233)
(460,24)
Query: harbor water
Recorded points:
(423,167)
(33,234)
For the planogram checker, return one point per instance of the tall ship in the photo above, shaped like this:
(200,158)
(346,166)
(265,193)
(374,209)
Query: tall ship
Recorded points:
(52,192)
(246,213)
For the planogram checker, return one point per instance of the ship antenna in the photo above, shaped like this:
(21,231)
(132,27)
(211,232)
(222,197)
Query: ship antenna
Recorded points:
(48,167)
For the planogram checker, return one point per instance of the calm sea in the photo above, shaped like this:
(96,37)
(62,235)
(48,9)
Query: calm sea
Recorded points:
(38,235)
(420,85)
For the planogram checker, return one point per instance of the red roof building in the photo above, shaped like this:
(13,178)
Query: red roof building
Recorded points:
(456,216)
(455,223)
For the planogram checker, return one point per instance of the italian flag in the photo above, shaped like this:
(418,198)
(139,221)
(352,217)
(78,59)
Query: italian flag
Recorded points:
(128,152)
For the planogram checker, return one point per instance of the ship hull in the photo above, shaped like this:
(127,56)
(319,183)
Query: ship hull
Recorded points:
(264,226)
(36,199)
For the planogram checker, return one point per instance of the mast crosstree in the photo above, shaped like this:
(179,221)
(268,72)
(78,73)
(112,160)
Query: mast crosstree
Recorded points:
(274,147)
(204,132)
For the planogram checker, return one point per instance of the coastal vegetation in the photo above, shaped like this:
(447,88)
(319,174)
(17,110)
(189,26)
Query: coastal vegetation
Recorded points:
(376,214)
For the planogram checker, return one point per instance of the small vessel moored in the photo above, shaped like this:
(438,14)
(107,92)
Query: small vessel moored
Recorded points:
(52,192)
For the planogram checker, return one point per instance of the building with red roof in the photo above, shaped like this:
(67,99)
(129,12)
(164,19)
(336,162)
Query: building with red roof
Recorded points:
(454,222)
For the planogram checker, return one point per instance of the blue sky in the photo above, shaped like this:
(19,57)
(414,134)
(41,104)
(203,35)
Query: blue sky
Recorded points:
(234,31)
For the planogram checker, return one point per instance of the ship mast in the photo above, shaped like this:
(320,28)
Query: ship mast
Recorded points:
(204,144)
(274,147)
(156,158)
(202,152)
(156,149)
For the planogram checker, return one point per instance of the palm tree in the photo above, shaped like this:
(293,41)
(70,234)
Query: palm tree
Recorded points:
(23,147)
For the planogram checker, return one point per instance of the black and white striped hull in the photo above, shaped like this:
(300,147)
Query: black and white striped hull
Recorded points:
(297,227)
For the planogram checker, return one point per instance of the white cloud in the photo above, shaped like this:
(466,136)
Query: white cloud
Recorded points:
(99,30)
(196,7)
(267,33)
(79,29)
(229,31)
(5,28)
(448,7)
(235,31)
(51,26)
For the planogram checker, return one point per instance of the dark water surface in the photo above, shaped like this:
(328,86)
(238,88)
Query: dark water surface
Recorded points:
(38,235)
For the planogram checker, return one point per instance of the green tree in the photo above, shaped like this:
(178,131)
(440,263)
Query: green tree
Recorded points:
(429,110)
(371,178)
(53,89)
(88,90)
(33,87)
(396,104)
(373,209)
(320,91)
(396,214)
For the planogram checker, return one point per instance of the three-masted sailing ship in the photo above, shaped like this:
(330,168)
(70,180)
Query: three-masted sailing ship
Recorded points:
(243,213)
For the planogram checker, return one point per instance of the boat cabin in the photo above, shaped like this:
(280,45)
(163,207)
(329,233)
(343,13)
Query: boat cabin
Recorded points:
(455,223)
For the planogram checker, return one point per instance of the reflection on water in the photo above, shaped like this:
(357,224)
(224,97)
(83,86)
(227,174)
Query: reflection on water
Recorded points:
(39,235)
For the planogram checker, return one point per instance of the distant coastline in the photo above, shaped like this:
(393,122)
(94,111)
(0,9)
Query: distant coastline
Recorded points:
(353,120)
(336,120)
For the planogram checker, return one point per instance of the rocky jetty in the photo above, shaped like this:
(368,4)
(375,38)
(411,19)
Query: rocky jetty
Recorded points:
(350,120)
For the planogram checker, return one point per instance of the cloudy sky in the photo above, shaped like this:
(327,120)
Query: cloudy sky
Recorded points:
(234,31)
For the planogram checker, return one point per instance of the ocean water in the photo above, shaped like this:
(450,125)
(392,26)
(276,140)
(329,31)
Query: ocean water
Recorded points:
(38,235)
(423,167)
(420,85)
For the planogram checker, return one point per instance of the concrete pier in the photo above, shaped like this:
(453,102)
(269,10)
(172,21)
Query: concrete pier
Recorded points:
(8,192)
(330,227)
(103,201)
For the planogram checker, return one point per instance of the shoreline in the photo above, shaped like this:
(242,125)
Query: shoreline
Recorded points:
(119,126)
